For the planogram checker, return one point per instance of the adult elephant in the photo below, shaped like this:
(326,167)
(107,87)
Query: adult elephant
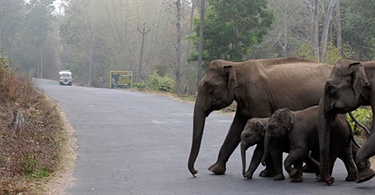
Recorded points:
(351,84)
(259,87)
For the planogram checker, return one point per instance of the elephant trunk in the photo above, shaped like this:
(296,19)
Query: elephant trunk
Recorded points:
(324,134)
(198,126)
(243,157)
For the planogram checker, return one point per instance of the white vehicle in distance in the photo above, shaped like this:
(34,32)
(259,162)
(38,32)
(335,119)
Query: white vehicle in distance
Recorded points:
(65,77)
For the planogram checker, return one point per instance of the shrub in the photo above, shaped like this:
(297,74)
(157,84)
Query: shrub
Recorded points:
(162,83)
(364,116)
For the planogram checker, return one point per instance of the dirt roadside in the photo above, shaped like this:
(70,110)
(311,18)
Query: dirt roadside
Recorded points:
(62,179)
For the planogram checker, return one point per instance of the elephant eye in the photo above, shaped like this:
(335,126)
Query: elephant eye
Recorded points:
(332,90)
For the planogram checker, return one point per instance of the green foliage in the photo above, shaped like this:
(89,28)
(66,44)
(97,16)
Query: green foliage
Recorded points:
(332,55)
(156,82)
(140,85)
(162,83)
(232,28)
(29,165)
(358,27)
(31,168)
(364,116)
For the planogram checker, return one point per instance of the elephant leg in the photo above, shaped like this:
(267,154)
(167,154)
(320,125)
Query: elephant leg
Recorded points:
(364,153)
(277,158)
(288,163)
(255,161)
(269,171)
(298,176)
(347,158)
(231,141)
(312,166)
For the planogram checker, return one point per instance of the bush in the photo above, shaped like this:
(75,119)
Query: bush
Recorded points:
(140,85)
(162,83)
(364,116)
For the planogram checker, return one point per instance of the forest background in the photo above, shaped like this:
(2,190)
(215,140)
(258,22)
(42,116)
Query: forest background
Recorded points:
(158,39)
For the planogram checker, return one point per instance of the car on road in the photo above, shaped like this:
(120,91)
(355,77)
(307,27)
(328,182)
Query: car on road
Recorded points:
(65,77)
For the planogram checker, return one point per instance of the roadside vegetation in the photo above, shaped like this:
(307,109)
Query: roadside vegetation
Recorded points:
(33,138)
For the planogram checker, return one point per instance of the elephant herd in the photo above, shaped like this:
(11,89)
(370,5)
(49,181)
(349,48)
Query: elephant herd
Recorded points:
(291,105)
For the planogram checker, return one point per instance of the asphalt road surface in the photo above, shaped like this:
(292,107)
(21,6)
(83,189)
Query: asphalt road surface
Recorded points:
(131,142)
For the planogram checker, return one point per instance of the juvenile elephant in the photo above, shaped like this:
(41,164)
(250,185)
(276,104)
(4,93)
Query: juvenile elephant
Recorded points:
(259,87)
(300,128)
(253,134)
(351,84)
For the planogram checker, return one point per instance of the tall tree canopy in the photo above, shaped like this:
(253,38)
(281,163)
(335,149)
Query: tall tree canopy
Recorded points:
(232,28)
(358,23)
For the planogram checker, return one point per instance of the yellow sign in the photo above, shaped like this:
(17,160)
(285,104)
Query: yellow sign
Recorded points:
(121,79)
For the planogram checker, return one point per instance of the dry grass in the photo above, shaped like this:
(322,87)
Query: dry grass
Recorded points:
(32,136)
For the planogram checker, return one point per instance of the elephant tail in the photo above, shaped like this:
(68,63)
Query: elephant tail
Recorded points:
(359,124)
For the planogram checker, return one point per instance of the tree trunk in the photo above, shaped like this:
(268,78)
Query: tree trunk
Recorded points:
(327,21)
(200,49)
(188,50)
(178,46)
(315,30)
(338,28)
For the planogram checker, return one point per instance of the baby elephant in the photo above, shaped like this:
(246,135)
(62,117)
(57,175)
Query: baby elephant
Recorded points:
(301,129)
(253,134)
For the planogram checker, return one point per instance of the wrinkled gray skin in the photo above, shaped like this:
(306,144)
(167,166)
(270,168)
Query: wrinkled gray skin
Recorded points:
(259,87)
(351,84)
(253,134)
(301,129)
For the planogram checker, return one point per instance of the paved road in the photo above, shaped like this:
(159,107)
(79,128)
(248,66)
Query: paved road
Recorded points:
(137,143)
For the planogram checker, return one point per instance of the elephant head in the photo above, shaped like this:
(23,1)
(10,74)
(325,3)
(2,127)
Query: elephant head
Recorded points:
(252,134)
(278,126)
(345,90)
(215,91)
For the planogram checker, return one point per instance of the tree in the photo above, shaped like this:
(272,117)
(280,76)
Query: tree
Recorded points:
(232,28)
(11,15)
(200,42)
(326,24)
(358,27)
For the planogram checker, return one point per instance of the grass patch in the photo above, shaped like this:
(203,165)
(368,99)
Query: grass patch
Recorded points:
(32,135)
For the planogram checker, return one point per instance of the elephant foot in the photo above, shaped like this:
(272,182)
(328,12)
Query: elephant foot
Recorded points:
(330,180)
(248,175)
(267,173)
(217,168)
(292,173)
(351,178)
(279,177)
(365,175)
(319,178)
(296,179)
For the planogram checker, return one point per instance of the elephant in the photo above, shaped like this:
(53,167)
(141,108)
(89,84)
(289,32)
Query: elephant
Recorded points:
(253,134)
(351,84)
(259,87)
(300,129)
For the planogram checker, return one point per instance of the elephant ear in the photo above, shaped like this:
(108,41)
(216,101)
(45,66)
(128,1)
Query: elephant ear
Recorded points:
(232,77)
(359,78)
(259,126)
(286,119)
